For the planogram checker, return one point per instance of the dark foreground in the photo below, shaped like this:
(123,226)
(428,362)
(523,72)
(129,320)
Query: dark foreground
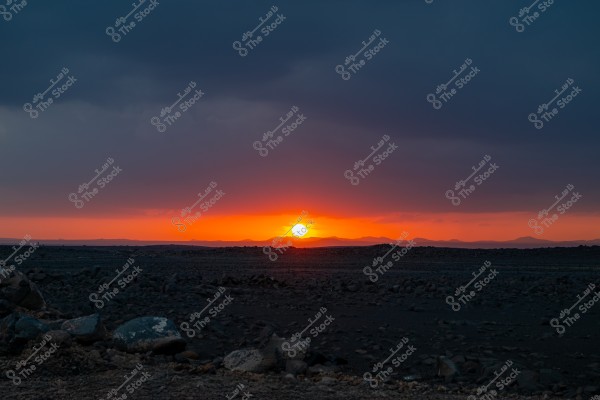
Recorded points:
(504,329)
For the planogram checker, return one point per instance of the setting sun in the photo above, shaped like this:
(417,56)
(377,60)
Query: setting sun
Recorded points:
(299,230)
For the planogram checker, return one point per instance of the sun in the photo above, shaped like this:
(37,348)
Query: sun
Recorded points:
(299,230)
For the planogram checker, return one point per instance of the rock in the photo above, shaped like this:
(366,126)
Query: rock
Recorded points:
(591,390)
(265,335)
(91,272)
(322,370)
(548,377)
(17,289)
(316,357)
(289,378)
(352,288)
(85,329)
(191,355)
(446,368)
(171,286)
(156,334)
(5,308)
(277,351)
(60,337)
(471,367)
(248,360)
(327,380)
(528,380)
(18,329)
(7,328)
(217,362)
(429,361)
(459,359)
(36,275)
(28,328)
(273,356)
(296,367)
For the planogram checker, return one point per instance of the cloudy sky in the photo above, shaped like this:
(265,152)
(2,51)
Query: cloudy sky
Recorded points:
(117,87)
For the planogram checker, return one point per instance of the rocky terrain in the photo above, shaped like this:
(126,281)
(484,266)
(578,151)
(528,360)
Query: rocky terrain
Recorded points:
(176,322)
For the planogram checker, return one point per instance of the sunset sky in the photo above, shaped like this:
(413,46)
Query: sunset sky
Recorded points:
(121,86)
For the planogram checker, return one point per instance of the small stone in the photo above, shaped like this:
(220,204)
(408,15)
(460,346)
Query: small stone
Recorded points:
(446,368)
(244,360)
(191,355)
(296,367)
(528,380)
(289,377)
(327,380)
(85,329)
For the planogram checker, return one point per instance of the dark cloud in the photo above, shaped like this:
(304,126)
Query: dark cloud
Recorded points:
(122,85)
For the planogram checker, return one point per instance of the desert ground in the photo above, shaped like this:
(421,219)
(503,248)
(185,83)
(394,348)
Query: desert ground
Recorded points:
(504,335)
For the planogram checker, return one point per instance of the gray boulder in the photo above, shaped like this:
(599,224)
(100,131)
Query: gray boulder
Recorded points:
(28,328)
(17,289)
(156,334)
(18,329)
(247,360)
(86,329)
(274,355)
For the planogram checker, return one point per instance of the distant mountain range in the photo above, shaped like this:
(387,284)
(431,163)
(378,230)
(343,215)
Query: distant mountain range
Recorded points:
(520,243)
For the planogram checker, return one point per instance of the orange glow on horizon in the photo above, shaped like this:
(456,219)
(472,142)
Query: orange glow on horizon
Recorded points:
(465,227)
